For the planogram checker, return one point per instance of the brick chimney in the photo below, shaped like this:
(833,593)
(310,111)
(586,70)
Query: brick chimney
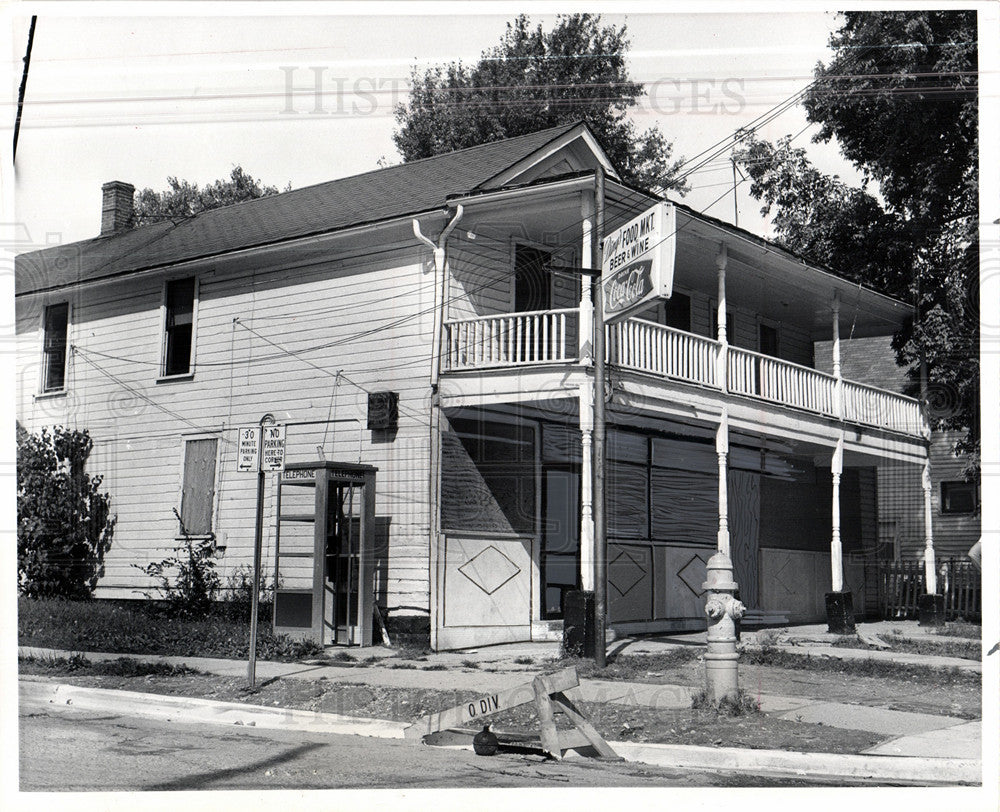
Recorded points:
(118,207)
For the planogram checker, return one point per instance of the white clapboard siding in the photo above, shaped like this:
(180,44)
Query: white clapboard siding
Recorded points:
(371,318)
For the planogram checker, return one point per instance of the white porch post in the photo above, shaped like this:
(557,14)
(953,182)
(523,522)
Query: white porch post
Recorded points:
(836,548)
(721,261)
(585,335)
(838,386)
(586,397)
(930,573)
(722,449)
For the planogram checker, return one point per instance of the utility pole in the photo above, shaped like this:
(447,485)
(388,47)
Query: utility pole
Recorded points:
(600,433)
(24,81)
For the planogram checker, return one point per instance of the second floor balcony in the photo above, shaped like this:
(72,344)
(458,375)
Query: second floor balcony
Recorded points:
(551,337)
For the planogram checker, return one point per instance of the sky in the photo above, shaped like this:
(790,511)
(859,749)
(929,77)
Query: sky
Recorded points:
(141,98)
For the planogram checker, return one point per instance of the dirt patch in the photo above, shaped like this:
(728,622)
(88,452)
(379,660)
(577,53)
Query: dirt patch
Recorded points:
(615,722)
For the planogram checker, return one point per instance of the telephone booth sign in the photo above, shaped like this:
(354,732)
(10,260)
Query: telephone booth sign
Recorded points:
(324,553)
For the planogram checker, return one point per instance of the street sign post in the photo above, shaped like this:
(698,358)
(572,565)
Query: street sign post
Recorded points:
(259,448)
(637,265)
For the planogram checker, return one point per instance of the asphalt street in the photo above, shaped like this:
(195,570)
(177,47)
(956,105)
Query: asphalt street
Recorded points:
(70,749)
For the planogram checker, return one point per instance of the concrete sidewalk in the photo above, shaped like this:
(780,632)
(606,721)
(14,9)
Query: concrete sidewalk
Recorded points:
(874,767)
(913,734)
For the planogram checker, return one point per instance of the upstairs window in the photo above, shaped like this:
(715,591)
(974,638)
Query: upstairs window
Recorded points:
(532,279)
(178,339)
(54,347)
(677,312)
(768,339)
(958,497)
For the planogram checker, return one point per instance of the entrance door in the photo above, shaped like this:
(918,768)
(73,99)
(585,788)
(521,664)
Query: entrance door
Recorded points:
(345,529)
(560,558)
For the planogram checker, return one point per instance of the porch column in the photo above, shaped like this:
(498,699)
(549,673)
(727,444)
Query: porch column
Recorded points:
(838,386)
(836,548)
(585,335)
(722,449)
(930,572)
(721,261)
(586,397)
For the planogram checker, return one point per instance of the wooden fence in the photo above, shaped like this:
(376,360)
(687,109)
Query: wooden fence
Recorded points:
(901,583)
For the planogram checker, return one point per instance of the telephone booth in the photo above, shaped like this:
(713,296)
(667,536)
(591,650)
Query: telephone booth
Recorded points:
(324,553)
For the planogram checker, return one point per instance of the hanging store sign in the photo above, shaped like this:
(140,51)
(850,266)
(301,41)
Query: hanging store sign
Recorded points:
(638,264)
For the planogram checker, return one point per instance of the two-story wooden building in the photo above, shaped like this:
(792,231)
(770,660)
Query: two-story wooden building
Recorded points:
(454,283)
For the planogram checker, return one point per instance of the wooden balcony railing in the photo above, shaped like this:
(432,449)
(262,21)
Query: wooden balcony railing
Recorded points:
(649,347)
(511,339)
(550,336)
(877,407)
(762,376)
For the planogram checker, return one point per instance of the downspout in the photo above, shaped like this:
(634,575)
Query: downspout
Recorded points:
(434,478)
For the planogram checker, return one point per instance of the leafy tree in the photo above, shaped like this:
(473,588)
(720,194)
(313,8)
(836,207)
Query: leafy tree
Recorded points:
(900,98)
(531,81)
(64,524)
(185,199)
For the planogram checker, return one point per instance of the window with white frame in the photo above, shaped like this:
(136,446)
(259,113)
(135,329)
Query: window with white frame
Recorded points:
(54,343)
(198,485)
(180,302)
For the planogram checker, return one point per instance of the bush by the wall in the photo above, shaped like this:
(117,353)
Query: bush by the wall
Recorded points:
(64,523)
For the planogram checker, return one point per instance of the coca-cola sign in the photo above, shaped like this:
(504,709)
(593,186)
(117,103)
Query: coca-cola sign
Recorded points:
(626,287)
(638,264)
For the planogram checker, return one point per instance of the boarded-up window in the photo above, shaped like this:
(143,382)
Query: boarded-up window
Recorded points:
(54,347)
(488,476)
(198,491)
(627,499)
(685,506)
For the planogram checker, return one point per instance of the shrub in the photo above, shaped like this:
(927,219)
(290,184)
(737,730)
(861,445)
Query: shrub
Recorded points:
(238,594)
(64,524)
(188,580)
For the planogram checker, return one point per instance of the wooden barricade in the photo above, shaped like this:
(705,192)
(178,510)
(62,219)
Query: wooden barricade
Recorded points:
(548,694)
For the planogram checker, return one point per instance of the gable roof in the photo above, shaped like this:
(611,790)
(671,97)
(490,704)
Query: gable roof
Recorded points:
(370,197)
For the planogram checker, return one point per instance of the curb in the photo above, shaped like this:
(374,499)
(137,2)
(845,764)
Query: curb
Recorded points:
(205,711)
(919,770)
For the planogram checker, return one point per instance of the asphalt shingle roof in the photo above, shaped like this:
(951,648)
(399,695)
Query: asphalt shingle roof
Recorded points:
(366,198)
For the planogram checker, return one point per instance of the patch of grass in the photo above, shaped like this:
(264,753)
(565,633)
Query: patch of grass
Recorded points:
(742,704)
(779,658)
(435,667)
(961,628)
(955,647)
(120,667)
(470,664)
(524,660)
(634,667)
(404,666)
(342,657)
(140,627)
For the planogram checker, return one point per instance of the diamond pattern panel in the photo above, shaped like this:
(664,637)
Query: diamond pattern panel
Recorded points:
(489,569)
(693,575)
(624,572)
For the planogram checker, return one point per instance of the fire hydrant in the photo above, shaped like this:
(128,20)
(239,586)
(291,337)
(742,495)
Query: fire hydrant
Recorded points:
(723,612)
